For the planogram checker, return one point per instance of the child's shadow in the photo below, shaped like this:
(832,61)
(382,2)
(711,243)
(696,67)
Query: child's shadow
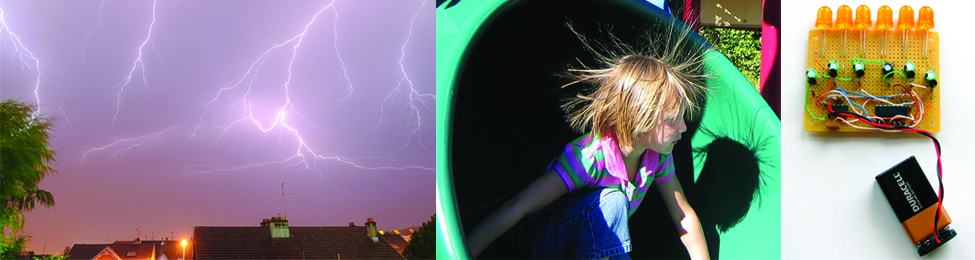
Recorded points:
(726,188)
(724,192)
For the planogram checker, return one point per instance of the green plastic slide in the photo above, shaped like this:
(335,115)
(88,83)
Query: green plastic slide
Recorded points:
(499,123)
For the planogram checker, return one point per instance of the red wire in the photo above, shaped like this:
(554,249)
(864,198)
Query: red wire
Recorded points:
(820,64)
(936,149)
(940,190)
(824,92)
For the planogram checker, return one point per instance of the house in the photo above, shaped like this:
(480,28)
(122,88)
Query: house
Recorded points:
(135,249)
(406,233)
(274,239)
(396,241)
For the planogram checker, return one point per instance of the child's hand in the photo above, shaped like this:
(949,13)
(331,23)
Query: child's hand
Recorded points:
(692,235)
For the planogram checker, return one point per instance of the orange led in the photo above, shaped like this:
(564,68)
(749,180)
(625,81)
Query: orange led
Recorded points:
(824,19)
(925,18)
(906,19)
(844,17)
(885,18)
(863,17)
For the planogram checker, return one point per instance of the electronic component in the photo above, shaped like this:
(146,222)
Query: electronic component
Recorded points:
(824,18)
(885,20)
(863,23)
(931,78)
(841,108)
(887,68)
(925,21)
(909,70)
(892,111)
(824,21)
(858,68)
(925,18)
(833,68)
(833,124)
(905,22)
(811,75)
(844,17)
(844,20)
(914,202)
(906,19)
(864,80)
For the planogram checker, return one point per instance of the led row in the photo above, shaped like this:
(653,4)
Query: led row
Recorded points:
(844,18)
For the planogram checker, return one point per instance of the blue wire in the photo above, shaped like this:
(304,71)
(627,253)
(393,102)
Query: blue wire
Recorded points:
(862,95)
(843,91)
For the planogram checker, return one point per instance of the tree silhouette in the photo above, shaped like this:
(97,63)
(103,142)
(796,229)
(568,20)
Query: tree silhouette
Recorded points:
(423,243)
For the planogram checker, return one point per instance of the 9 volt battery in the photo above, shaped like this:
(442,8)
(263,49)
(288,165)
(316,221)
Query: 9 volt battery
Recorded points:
(915,204)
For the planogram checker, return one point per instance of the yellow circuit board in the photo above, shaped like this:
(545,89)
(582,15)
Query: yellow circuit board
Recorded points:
(883,98)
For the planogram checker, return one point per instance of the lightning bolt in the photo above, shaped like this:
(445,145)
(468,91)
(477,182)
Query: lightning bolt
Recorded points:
(335,44)
(206,169)
(101,9)
(413,96)
(126,144)
(252,71)
(304,154)
(137,64)
(24,54)
(66,115)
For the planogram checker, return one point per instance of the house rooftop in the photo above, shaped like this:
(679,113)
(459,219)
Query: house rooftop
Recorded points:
(350,242)
(129,249)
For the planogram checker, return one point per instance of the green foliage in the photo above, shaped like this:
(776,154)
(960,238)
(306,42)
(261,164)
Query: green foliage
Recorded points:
(25,158)
(12,246)
(53,257)
(743,48)
(423,243)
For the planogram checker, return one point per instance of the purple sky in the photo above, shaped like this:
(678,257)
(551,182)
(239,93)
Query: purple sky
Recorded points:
(203,134)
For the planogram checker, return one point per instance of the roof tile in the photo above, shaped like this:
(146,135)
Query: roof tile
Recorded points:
(349,242)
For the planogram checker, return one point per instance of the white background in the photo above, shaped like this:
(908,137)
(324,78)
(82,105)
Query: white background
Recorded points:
(831,205)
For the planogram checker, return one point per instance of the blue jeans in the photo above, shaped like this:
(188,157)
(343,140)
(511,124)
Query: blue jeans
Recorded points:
(588,224)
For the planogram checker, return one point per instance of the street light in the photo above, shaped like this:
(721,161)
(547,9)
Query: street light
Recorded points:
(184,248)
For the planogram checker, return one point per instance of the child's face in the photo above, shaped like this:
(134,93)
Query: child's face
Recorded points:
(662,138)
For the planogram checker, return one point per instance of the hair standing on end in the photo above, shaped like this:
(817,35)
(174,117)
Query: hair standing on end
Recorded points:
(636,88)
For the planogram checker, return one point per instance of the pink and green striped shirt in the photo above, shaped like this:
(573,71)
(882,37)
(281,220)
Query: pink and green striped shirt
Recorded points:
(592,161)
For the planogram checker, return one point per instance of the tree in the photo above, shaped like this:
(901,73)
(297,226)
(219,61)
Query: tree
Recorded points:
(53,257)
(423,243)
(743,48)
(25,158)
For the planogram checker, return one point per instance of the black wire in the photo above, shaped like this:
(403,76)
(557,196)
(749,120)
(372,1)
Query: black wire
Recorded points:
(937,145)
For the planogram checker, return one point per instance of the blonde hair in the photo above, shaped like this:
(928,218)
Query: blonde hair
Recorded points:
(634,91)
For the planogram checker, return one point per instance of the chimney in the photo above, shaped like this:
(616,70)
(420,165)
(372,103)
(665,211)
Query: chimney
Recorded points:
(278,226)
(371,230)
(351,224)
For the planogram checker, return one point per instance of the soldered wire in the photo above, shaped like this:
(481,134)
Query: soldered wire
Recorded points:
(937,147)
(894,72)
(808,89)
(826,75)
(866,60)
(860,108)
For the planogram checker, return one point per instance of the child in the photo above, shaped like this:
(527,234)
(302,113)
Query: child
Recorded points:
(634,117)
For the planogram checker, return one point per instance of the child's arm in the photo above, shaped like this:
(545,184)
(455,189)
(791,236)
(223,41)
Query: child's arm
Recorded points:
(692,235)
(539,193)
